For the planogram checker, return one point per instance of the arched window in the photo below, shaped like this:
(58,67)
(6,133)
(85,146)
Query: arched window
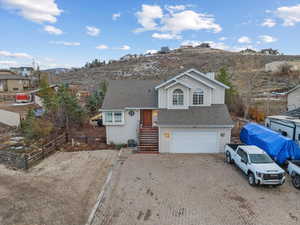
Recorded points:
(178,97)
(198,97)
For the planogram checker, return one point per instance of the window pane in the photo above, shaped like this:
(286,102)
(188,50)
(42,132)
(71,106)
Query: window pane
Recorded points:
(118,117)
(178,97)
(108,117)
(198,98)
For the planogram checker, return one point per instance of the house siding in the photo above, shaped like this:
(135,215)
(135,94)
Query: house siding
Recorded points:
(120,134)
(215,95)
(165,142)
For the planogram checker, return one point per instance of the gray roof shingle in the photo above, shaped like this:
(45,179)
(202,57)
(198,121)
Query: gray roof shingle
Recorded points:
(131,93)
(214,115)
(12,77)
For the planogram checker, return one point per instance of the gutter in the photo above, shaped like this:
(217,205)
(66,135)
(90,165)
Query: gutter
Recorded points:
(195,126)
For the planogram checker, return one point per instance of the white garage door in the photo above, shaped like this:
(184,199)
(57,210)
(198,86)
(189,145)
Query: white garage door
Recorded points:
(194,142)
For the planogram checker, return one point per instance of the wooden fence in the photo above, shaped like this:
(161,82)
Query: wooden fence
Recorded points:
(46,150)
(25,161)
(90,140)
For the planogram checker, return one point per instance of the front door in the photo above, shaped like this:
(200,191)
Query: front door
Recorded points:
(147,118)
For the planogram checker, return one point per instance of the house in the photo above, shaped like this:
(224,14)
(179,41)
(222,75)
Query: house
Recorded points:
(287,124)
(24,71)
(185,114)
(164,50)
(293,98)
(10,82)
(248,51)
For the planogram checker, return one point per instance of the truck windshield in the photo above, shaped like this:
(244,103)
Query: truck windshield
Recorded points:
(260,158)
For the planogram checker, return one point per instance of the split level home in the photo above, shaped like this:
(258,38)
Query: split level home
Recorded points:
(185,114)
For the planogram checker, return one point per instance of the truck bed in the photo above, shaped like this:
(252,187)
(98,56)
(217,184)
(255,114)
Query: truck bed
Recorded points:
(295,162)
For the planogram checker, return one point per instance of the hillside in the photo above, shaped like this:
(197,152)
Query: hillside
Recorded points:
(161,66)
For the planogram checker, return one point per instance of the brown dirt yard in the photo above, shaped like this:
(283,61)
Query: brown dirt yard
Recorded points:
(61,190)
(192,190)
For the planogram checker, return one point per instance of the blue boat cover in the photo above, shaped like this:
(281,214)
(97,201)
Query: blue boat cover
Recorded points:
(274,144)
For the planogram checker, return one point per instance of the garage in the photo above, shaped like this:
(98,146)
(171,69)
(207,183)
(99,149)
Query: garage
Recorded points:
(195,130)
(194,141)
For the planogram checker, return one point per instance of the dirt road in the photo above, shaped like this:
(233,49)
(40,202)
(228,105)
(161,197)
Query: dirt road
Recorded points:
(59,191)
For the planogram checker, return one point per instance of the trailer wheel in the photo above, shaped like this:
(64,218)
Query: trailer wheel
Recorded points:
(296,181)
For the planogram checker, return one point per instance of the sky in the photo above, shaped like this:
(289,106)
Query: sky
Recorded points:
(68,33)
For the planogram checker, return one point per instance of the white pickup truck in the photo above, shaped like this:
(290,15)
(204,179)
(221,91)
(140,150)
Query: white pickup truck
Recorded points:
(294,171)
(256,164)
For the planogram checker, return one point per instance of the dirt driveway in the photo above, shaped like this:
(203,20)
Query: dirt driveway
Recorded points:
(192,190)
(59,191)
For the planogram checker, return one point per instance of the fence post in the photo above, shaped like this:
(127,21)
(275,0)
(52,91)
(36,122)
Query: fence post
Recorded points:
(67,137)
(86,139)
(25,162)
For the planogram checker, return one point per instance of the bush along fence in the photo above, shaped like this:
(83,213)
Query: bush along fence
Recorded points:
(26,160)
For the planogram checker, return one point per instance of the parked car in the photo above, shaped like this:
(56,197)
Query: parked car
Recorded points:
(256,164)
(23,98)
(97,120)
(294,171)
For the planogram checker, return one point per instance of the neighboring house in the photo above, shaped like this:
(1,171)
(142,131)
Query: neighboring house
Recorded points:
(164,50)
(10,118)
(24,71)
(287,124)
(293,98)
(13,83)
(185,114)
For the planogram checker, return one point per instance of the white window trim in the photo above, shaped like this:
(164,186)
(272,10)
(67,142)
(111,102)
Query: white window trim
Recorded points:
(113,118)
(178,95)
(203,94)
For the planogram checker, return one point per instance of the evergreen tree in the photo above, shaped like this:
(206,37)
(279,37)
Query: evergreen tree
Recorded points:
(225,78)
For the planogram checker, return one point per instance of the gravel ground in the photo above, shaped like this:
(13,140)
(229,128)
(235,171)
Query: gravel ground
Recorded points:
(61,190)
(192,190)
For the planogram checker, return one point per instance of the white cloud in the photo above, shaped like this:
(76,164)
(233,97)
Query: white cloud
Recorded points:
(15,55)
(240,48)
(269,23)
(53,30)
(34,10)
(116,16)
(189,20)
(244,40)
(267,38)
(147,16)
(223,38)
(92,31)
(174,8)
(8,63)
(175,21)
(289,14)
(166,36)
(66,43)
(125,47)
(102,47)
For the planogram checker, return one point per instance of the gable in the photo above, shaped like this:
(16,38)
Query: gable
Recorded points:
(198,76)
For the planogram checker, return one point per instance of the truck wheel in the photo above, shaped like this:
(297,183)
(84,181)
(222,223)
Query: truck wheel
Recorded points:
(296,181)
(251,179)
(228,158)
